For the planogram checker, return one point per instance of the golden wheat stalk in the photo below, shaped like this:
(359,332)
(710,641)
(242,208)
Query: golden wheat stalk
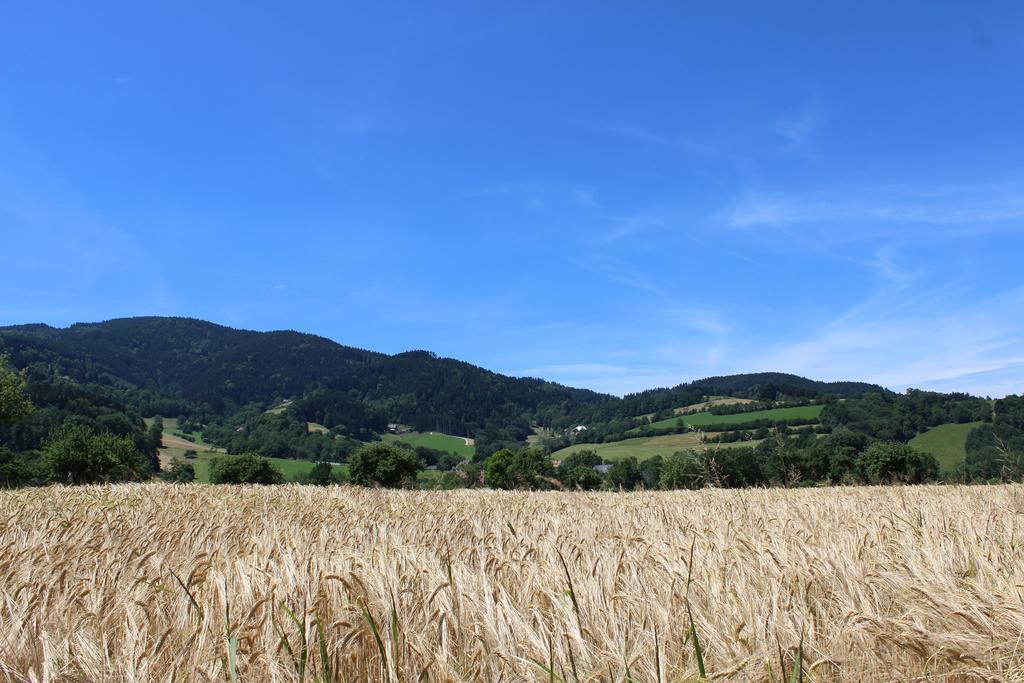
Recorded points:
(161,582)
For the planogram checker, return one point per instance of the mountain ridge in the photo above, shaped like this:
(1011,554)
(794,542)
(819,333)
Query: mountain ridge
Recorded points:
(219,369)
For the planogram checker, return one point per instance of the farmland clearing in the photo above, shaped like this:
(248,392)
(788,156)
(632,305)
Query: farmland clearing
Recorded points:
(947,443)
(703,419)
(646,447)
(174,445)
(712,402)
(442,442)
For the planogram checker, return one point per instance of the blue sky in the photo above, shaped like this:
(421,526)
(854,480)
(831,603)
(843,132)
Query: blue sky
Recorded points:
(611,195)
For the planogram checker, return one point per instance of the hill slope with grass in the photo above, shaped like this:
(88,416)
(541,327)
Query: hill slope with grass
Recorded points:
(439,442)
(705,418)
(643,448)
(947,442)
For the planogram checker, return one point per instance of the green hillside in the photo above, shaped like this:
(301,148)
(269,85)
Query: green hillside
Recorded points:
(435,440)
(946,442)
(645,447)
(706,418)
(191,367)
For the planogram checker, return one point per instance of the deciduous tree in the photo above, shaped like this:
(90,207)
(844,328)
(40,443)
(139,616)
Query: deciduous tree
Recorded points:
(244,469)
(884,462)
(14,404)
(77,455)
(384,464)
(508,469)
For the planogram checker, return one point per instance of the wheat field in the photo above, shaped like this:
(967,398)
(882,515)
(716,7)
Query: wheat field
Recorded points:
(157,582)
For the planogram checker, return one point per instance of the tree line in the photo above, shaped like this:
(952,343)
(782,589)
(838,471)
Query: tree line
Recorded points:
(54,430)
(76,434)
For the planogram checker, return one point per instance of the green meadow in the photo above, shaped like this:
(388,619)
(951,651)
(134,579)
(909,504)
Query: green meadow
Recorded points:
(706,418)
(435,440)
(645,447)
(946,442)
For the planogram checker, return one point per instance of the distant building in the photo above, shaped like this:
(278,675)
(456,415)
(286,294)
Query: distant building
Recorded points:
(603,469)
(393,428)
(578,429)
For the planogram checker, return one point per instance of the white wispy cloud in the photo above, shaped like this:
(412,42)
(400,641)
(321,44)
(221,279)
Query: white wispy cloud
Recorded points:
(707,320)
(883,261)
(608,378)
(624,227)
(797,129)
(912,329)
(585,197)
(633,132)
(997,382)
(612,270)
(538,195)
(919,322)
(875,210)
(901,345)
(651,137)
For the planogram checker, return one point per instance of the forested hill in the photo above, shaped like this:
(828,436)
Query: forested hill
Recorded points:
(187,367)
(185,358)
(770,385)
(183,366)
(761,386)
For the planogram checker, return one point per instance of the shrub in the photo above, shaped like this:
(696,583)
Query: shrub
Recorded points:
(320,475)
(507,469)
(17,469)
(885,462)
(180,473)
(683,470)
(583,477)
(78,455)
(384,464)
(625,474)
(244,469)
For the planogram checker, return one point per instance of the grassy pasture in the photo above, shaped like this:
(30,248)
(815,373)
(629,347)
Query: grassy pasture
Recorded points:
(291,469)
(436,440)
(645,447)
(704,405)
(706,418)
(154,582)
(171,429)
(946,442)
(711,402)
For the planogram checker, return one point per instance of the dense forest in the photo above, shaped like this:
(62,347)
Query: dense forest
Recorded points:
(83,392)
(175,366)
(53,429)
(995,452)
